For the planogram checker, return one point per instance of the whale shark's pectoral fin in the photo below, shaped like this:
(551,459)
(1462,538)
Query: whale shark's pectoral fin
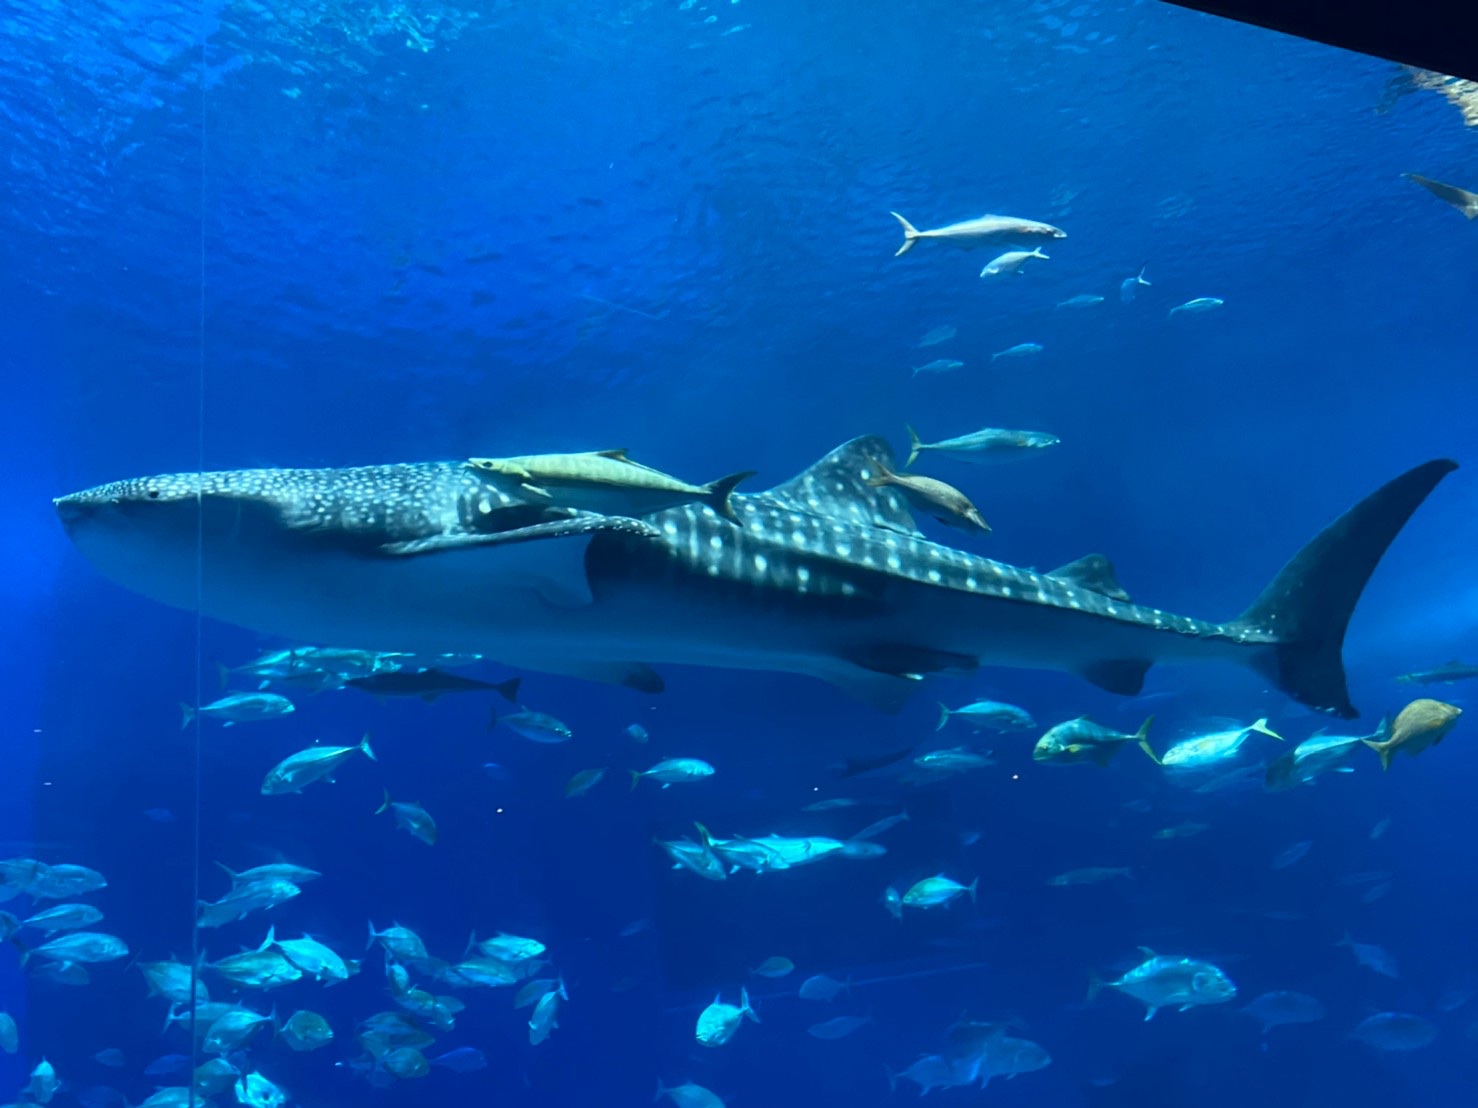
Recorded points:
(1095,573)
(887,674)
(548,558)
(886,693)
(1124,676)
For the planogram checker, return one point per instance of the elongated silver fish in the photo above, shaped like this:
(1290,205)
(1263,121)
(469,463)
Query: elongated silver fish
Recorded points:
(826,576)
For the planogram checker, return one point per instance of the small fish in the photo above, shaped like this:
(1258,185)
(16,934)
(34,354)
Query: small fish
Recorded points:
(938,365)
(887,823)
(255,1091)
(1130,286)
(1460,198)
(1282,1009)
(1081,740)
(64,917)
(1380,828)
(1020,350)
(410,817)
(988,715)
(530,992)
(1184,830)
(1445,674)
(958,760)
(546,1014)
(636,733)
(673,771)
(272,871)
(238,708)
(604,481)
(305,1030)
(937,891)
(934,498)
(428,684)
(776,966)
(832,804)
(1083,301)
(1091,875)
(1292,854)
(257,969)
(1371,956)
(1198,306)
(166,1065)
(297,771)
(688,1096)
(1162,981)
(1420,724)
(936,335)
(839,1027)
(214,1077)
(1375,892)
(1011,263)
(1395,1031)
(44,1083)
(232,1029)
(464,1059)
(970,233)
(80,946)
(984,447)
(719,1022)
(534,726)
(821,987)
(582,782)
(111,1057)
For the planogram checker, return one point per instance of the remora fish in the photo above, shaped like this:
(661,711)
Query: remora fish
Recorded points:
(818,580)
(985,231)
(604,481)
(934,498)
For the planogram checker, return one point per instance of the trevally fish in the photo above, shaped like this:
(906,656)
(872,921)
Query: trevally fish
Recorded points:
(1170,981)
(1091,875)
(64,917)
(411,817)
(405,557)
(1198,306)
(688,1095)
(546,1014)
(938,365)
(305,1030)
(1282,1009)
(1020,350)
(938,891)
(673,771)
(272,871)
(936,335)
(1086,300)
(988,715)
(1395,1031)
(838,1027)
(1011,263)
(79,946)
(1082,740)
(775,966)
(985,231)
(317,763)
(604,481)
(1445,674)
(582,782)
(534,726)
(983,447)
(957,760)
(243,899)
(718,1022)
(1314,756)
(257,969)
(1210,751)
(822,987)
(1130,286)
(428,684)
(1371,956)
(214,1077)
(238,708)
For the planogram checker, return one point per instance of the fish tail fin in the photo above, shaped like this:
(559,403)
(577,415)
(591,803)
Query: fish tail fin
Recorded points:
(471,942)
(1303,614)
(745,1006)
(915,444)
(508,689)
(884,475)
(1141,738)
(1037,253)
(972,888)
(892,1077)
(365,747)
(910,234)
(384,804)
(1262,728)
(372,935)
(270,939)
(1095,986)
(717,494)
(1384,749)
(943,717)
(661,1091)
(635,778)
(227,870)
(1140,278)
(187,714)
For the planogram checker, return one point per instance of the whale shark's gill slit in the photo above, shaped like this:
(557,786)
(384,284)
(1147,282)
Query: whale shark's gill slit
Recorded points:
(837,486)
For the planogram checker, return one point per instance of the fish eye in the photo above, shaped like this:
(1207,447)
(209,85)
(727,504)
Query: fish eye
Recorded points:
(153,494)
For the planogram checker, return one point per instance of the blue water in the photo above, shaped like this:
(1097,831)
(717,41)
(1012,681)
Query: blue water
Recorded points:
(270,234)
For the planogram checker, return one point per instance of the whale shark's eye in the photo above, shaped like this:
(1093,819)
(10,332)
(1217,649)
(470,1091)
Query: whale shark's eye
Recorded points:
(153,494)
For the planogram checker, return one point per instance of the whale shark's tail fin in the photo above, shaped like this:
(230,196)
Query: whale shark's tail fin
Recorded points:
(1307,607)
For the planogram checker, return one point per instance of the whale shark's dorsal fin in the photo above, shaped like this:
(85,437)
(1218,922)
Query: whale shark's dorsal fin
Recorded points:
(837,487)
(1093,572)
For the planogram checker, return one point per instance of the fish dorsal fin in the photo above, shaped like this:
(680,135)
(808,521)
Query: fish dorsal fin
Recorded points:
(1095,573)
(1147,952)
(618,455)
(837,487)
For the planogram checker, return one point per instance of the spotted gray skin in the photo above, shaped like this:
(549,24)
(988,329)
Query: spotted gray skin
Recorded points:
(822,575)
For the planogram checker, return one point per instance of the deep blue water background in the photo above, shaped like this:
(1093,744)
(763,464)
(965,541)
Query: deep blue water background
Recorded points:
(561,227)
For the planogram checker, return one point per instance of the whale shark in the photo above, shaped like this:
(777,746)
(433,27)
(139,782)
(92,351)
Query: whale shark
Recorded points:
(824,575)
